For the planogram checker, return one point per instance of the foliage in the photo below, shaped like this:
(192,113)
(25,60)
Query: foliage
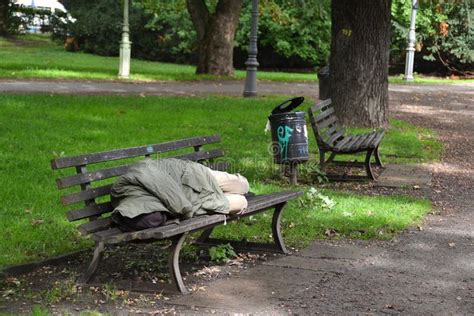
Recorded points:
(299,33)
(97,27)
(173,31)
(17,18)
(314,199)
(222,253)
(444,30)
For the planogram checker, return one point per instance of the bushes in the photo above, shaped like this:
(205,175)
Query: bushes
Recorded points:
(444,35)
(299,35)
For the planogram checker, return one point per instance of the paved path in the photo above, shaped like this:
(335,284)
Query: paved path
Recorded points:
(192,88)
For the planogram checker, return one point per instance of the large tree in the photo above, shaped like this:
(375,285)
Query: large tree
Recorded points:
(359,61)
(5,17)
(215,29)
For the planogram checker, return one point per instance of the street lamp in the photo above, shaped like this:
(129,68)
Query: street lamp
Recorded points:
(250,89)
(125,45)
(411,44)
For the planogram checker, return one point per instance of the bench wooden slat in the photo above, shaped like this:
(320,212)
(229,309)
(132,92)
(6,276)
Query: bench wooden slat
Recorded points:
(327,123)
(324,114)
(201,155)
(336,136)
(119,170)
(86,194)
(64,162)
(189,225)
(368,140)
(91,176)
(377,140)
(274,199)
(95,226)
(320,105)
(88,211)
(343,142)
(327,133)
(349,144)
(360,140)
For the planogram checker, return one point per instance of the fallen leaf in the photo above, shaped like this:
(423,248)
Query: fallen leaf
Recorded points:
(12,280)
(37,222)
(331,233)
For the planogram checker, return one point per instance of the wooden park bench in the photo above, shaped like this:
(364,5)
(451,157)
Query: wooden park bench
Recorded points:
(97,211)
(331,137)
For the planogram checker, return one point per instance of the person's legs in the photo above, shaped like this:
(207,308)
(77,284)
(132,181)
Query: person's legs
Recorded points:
(231,183)
(237,203)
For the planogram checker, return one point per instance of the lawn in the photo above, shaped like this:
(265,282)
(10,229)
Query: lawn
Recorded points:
(35,129)
(34,56)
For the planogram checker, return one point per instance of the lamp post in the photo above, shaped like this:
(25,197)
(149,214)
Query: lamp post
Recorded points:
(125,45)
(250,89)
(411,44)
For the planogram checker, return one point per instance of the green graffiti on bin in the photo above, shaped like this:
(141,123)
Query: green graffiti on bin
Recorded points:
(284,134)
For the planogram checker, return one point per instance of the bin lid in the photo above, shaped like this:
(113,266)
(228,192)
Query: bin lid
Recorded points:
(288,105)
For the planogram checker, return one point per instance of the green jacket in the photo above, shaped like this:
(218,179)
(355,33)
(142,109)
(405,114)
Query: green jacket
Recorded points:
(180,187)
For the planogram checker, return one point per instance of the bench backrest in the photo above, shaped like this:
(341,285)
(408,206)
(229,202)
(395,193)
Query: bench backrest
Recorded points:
(96,195)
(325,124)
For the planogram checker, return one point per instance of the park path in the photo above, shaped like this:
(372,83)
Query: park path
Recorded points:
(425,270)
(193,88)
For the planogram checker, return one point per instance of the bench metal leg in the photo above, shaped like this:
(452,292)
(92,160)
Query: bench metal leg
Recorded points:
(276,232)
(368,168)
(279,246)
(321,157)
(331,158)
(99,248)
(173,263)
(377,157)
(205,235)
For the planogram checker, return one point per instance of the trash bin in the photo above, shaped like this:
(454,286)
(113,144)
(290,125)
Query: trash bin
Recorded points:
(324,84)
(289,133)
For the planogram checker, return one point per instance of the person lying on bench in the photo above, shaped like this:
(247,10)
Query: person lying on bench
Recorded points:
(152,191)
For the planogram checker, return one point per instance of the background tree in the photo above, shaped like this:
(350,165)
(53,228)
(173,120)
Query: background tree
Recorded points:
(359,61)
(4,16)
(215,28)
(11,23)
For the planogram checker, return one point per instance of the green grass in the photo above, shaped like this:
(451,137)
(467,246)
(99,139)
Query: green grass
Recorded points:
(355,216)
(37,128)
(396,149)
(34,56)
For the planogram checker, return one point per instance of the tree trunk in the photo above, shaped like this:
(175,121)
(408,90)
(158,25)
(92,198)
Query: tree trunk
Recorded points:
(4,17)
(359,61)
(216,33)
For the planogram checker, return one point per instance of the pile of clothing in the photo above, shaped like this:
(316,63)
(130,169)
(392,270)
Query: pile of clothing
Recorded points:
(154,191)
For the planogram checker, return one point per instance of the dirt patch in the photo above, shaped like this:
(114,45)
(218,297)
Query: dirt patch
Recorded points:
(131,278)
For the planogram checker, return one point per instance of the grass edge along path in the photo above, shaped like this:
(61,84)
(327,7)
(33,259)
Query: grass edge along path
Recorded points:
(37,128)
(35,56)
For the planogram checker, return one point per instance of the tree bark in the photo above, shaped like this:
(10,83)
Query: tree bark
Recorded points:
(216,33)
(359,61)
(4,17)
